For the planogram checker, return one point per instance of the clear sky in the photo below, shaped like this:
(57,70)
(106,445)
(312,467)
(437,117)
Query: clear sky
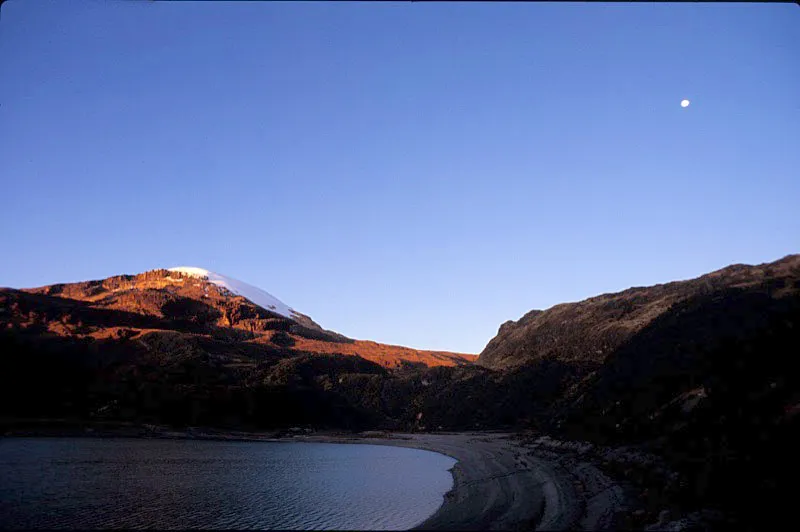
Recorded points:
(407,173)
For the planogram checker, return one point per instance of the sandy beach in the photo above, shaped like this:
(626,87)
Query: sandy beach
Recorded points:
(499,484)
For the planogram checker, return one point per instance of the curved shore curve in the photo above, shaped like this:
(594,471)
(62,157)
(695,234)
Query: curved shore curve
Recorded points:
(500,485)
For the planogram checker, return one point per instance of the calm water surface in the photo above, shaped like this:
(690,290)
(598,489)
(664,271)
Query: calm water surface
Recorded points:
(129,483)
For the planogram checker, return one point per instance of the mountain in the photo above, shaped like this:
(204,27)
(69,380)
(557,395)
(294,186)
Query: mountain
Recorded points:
(705,373)
(628,357)
(649,362)
(233,286)
(193,304)
(589,331)
(187,346)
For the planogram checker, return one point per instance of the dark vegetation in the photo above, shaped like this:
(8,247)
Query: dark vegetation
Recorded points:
(703,373)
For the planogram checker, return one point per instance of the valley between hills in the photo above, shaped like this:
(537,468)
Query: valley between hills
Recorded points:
(681,399)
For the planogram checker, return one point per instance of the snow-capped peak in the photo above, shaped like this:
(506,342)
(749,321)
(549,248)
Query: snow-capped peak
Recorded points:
(253,294)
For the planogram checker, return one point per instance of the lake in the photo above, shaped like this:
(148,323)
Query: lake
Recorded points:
(141,483)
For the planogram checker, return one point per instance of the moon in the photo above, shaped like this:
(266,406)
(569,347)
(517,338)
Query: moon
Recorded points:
(685,103)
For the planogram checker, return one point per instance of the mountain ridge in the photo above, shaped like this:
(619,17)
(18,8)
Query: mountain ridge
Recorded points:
(607,320)
(202,302)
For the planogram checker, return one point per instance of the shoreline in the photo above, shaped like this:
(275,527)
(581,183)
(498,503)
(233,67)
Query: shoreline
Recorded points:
(498,484)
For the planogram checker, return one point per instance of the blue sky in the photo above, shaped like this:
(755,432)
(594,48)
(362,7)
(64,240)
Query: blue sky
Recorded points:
(407,173)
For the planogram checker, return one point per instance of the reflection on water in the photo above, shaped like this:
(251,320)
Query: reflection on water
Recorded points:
(128,483)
